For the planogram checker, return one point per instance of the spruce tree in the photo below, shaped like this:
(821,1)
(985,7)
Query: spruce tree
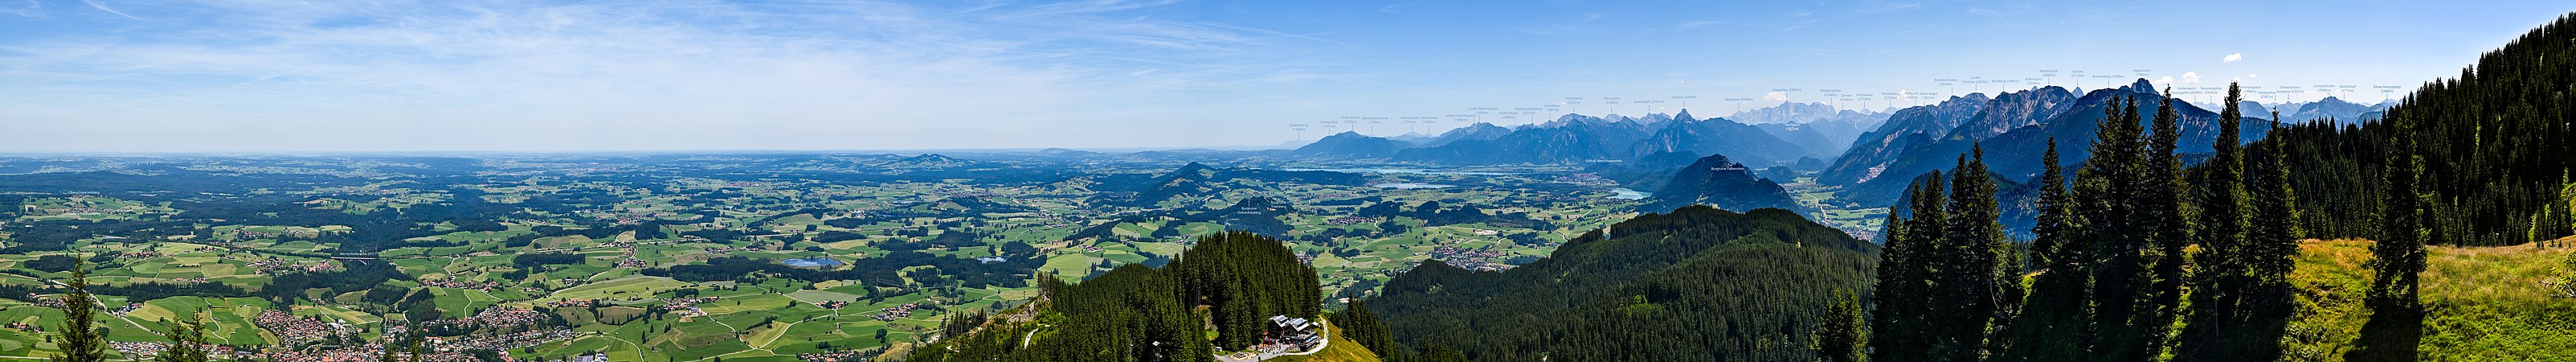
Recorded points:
(1897,294)
(1907,330)
(2012,264)
(2050,246)
(187,340)
(2160,193)
(2051,326)
(2106,193)
(81,340)
(1359,324)
(2399,254)
(1238,325)
(1839,337)
(2270,245)
(2405,226)
(1964,288)
(2273,240)
(2221,275)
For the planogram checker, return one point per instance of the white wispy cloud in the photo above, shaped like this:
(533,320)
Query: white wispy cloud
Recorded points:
(669,75)
(1580,23)
(102,6)
(34,9)
(2232,58)
(1886,7)
(2190,77)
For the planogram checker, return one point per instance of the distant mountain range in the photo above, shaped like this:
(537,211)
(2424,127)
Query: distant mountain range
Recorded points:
(1350,144)
(1478,131)
(1195,180)
(2339,110)
(930,161)
(2013,127)
(1576,139)
(1819,128)
(1778,135)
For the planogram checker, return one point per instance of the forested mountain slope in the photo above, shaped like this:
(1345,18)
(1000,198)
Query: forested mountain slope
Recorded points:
(1719,182)
(1696,284)
(2495,143)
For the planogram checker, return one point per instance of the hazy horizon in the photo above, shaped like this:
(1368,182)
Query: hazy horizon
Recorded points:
(269,77)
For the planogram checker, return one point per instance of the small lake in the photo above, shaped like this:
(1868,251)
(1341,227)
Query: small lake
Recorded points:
(810,262)
(1411,186)
(1624,193)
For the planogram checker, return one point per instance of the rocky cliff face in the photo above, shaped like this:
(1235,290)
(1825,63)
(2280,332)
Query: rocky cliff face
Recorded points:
(1904,129)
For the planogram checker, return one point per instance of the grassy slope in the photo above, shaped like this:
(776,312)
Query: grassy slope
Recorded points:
(2484,304)
(1339,350)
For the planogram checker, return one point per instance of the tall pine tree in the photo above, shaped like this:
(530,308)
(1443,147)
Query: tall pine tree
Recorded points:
(187,340)
(1839,337)
(1965,292)
(2161,195)
(1359,324)
(2270,246)
(2221,276)
(2399,255)
(2051,325)
(2405,226)
(1907,329)
(81,340)
(2106,190)
(1897,319)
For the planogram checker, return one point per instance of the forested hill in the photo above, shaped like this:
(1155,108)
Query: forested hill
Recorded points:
(1138,313)
(1696,284)
(2495,145)
(1714,180)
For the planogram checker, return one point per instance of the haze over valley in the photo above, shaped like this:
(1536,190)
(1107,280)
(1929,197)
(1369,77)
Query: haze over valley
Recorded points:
(1225,181)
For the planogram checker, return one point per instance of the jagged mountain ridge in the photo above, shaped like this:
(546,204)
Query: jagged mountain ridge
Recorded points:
(1478,131)
(2015,154)
(1718,136)
(2343,112)
(1905,129)
(1577,138)
(1822,130)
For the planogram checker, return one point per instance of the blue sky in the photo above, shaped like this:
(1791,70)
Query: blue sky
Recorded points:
(271,76)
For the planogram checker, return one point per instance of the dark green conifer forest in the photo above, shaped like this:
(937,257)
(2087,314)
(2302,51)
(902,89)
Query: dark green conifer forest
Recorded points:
(1695,284)
(1139,313)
